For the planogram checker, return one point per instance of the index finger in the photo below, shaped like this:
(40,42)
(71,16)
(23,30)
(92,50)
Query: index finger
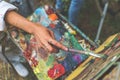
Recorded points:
(57,44)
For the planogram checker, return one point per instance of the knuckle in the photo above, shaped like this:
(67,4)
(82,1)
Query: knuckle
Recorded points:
(51,49)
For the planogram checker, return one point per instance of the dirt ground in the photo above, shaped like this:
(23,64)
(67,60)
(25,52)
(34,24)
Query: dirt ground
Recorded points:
(90,19)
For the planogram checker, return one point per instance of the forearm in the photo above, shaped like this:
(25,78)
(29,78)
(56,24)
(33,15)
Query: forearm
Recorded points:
(13,18)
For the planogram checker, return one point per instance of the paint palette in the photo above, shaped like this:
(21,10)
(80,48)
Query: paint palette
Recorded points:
(45,65)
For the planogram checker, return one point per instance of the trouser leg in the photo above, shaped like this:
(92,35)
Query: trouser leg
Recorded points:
(74,11)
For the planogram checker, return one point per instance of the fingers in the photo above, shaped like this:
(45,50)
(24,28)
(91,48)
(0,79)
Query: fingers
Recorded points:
(51,34)
(54,43)
(46,38)
(48,46)
(53,46)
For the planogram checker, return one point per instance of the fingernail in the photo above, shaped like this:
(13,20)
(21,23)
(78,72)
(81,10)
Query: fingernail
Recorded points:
(66,49)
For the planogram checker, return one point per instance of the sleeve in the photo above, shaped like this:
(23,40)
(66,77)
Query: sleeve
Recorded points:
(4,7)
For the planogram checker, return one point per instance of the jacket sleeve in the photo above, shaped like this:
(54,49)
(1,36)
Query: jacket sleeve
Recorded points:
(4,7)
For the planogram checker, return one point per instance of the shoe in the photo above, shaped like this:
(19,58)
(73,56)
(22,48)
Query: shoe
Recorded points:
(20,69)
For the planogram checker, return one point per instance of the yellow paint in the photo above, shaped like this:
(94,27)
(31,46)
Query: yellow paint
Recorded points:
(106,43)
(75,73)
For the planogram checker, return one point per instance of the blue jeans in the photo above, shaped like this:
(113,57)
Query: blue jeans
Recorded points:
(74,10)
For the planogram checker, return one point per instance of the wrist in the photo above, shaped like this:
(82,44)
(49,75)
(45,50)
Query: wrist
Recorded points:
(34,27)
(31,28)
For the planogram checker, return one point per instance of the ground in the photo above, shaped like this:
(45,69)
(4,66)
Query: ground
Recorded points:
(90,19)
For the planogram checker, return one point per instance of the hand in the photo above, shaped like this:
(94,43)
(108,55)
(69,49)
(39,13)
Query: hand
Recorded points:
(45,38)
